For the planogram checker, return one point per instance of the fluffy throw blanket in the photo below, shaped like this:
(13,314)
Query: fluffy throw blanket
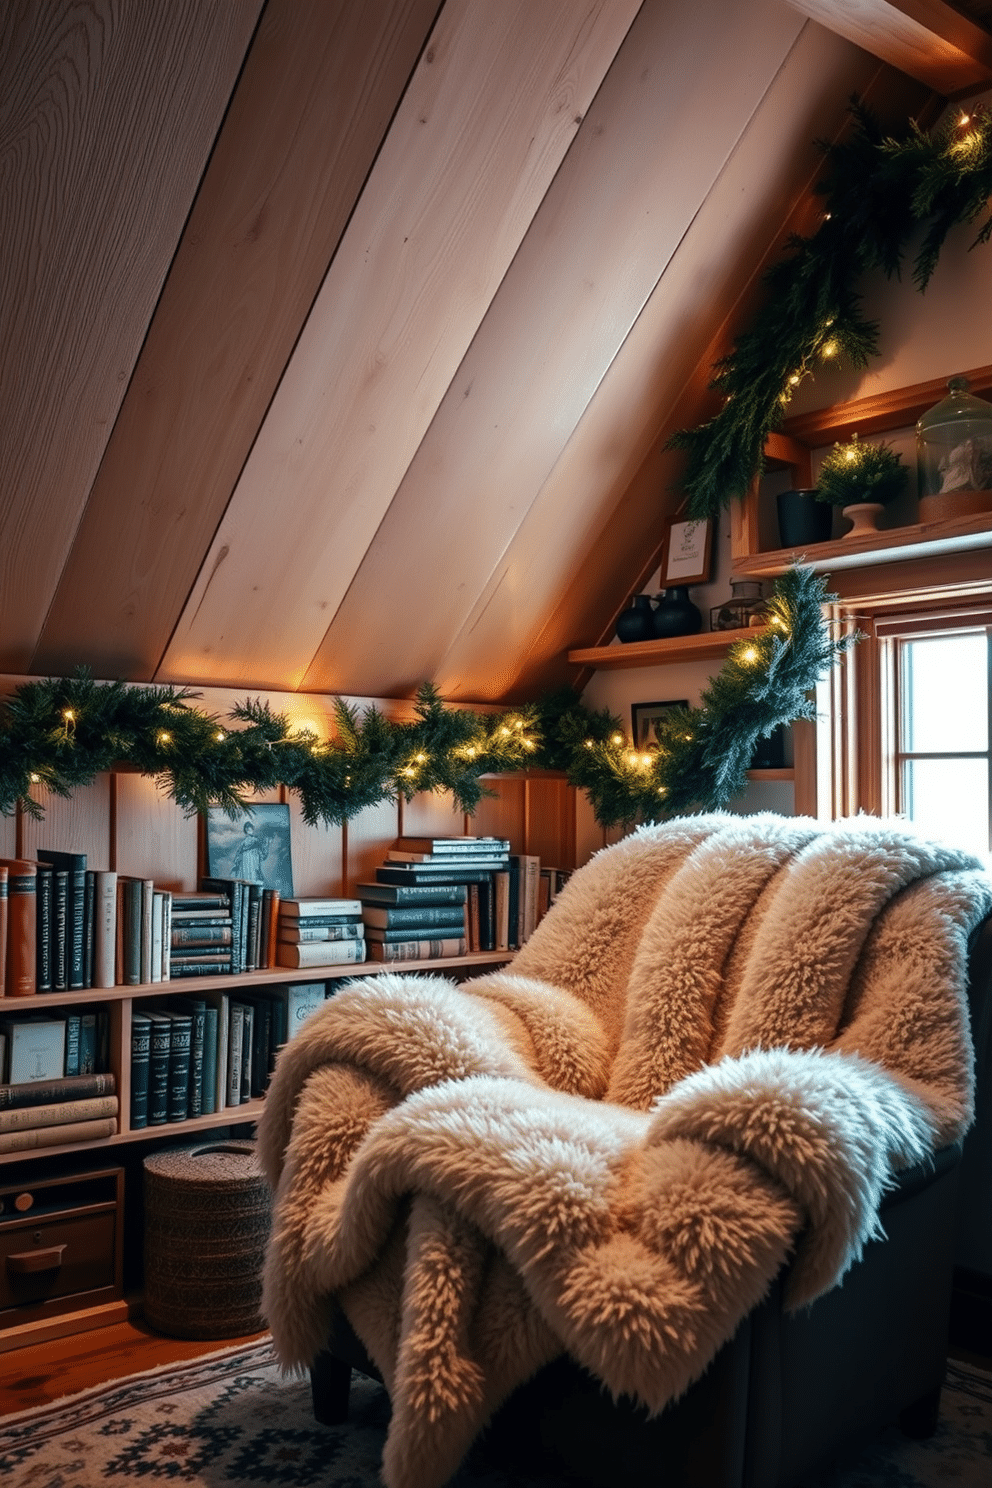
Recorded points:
(710,1058)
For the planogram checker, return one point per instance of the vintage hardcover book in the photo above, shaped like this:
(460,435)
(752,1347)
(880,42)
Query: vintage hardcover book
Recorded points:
(59,930)
(158,1068)
(3,932)
(501,909)
(431,867)
(211,1018)
(247,1046)
(158,929)
(88,1042)
(320,952)
(60,1113)
(528,875)
(35,1049)
(180,1053)
(200,901)
(417,876)
(271,901)
(412,894)
(416,950)
(314,922)
(195,936)
(207,919)
(451,845)
(46,1092)
(73,1023)
(89,916)
(306,930)
(22,927)
(302,999)
(235,1053)
(223,1046)
(74,866)
(43,911)
(414,932)
(141,1050)
(56,1136)
(300,908)
(181,969)
(421,916)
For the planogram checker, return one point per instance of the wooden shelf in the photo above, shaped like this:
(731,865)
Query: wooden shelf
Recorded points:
(790,448)
(894,545)
(710,645)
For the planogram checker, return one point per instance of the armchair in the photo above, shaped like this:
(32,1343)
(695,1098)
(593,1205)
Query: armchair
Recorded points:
(623,1205)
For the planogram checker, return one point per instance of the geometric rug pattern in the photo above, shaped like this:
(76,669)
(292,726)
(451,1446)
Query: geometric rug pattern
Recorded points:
(232,1420)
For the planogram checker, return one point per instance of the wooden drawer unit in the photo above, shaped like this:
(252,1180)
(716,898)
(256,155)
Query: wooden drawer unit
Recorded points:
(60,1255)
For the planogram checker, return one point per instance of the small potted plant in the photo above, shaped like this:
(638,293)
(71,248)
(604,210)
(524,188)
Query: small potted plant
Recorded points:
(861,479)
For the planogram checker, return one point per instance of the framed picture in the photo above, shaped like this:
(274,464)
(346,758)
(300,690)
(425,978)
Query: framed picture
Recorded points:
(254,844)
(687,552)
(644,716)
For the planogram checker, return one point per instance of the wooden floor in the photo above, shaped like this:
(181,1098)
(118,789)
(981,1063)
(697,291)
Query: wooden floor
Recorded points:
(46,1371)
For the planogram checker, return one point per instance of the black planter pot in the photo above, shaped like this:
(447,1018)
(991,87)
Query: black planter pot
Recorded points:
(636,622)
(802,519)
(676,615)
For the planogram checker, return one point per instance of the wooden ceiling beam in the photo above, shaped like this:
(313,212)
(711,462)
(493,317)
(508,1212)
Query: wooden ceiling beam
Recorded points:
(924,38)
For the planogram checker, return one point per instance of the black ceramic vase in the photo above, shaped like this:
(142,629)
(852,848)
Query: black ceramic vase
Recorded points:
(676,615)
(802,519)
(636,622)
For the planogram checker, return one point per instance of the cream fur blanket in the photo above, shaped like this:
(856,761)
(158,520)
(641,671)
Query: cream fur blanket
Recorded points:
(710,1058)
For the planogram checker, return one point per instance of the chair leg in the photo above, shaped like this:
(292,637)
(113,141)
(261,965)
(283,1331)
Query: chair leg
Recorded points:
(330,1385)
(919,1420)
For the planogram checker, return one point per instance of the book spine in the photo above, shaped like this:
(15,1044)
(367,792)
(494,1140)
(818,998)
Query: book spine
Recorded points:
(158,1072)
(141,1048)
(415,950)
(59,931)
(157,927)
(198,936)
(104,927)
(72,1040)
(210,1026)
(302,908)
(22,929)
(298,932)
(180,969)
(180,1050)
(254,912)
(234,1053)
(43,890)
(132,932)
(89,918)
(419,917)
(247,1052)
(410,894)
(87,1043)
(3,939)
(147,909)
(321,953)
(26,1118)
(56,1136)
(416,932)
(45,1092)
(166,935)
(196,1049)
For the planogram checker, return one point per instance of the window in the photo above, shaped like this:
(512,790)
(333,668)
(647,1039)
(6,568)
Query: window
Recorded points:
(942,761)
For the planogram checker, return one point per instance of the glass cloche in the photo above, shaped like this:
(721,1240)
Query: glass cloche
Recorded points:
(954,454)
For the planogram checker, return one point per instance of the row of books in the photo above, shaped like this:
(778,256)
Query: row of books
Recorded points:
(195,1056)
(435,897)
(56,1087)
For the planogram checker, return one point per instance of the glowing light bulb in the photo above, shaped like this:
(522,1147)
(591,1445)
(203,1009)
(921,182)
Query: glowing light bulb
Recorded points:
(420,758)
(68,715)
(34,778)
(829,349)
(616,738)
(749,655)
(590,744)
(220,736)
(164,738)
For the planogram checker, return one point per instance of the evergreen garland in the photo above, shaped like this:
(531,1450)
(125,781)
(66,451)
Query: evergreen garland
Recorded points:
(878,192)
(61,733)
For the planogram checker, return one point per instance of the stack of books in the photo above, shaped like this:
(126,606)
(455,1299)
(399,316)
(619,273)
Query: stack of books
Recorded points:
(201,933)
(54,1088)
(436,897)
(320,932)
(254,912)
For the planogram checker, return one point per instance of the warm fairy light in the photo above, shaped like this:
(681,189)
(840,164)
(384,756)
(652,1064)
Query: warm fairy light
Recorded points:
(964,120)
(34,778)
(164,738)
(409,770)
(471,751)
(505,731)
(829,349)
(68,715)
(529,744)
(794,379)
(220,736)
(616,738)
(590,744)
(420,758)
(749,655)
(662,790)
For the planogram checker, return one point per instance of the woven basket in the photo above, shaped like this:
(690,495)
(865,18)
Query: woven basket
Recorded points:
(207,1212)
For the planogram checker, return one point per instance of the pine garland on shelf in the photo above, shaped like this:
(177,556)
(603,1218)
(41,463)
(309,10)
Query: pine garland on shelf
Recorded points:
(61,733)
(878,192)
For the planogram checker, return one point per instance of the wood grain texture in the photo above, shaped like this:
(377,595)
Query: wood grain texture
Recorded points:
(79,824)
(305,123)
(107,116)
(927,39)
(154,837)
(489,114)
(613,220)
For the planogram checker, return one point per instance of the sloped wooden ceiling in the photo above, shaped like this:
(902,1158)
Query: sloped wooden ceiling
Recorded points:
(340,339)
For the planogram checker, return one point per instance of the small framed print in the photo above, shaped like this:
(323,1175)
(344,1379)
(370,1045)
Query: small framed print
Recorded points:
(687,553)
(644,716)
(254,844)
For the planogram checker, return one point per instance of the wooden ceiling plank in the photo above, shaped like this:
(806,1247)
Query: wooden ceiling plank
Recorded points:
(659,133)
(309,114)
(489,114)
(926,39)
(107,114)
(593,536)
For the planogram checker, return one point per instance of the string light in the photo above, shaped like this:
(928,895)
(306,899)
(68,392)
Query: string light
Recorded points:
(164,738)
(616,738)
(220,736)
(749,655)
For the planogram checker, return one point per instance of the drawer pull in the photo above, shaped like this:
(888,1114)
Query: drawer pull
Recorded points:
(36,1260)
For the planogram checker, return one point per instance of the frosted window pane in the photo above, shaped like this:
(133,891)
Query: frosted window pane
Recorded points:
(945,688)
(949,801)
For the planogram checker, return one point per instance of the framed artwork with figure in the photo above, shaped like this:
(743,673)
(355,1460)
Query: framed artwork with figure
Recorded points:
(687,552)
(254,844)
(644,716)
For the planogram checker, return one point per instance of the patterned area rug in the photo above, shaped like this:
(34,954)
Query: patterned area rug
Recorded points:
(229,1420)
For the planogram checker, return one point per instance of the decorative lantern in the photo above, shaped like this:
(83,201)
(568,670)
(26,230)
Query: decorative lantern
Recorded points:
(745,607)
(954,455)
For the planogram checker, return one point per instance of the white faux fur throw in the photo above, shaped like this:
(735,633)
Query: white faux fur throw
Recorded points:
(709,1059)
